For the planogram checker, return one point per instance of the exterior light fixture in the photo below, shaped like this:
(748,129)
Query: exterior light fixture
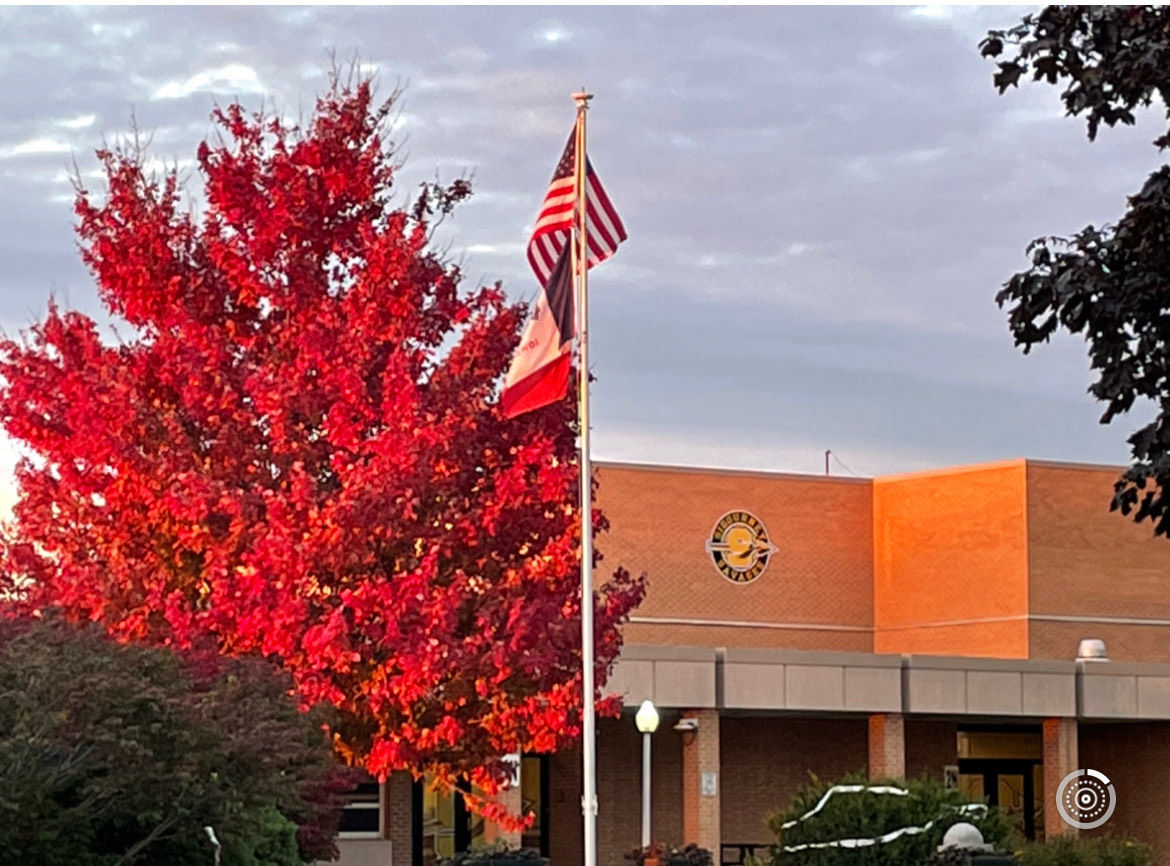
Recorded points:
(647,722)
(647,718)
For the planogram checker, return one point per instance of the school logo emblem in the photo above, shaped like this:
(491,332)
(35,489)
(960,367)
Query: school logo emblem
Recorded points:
(739,546)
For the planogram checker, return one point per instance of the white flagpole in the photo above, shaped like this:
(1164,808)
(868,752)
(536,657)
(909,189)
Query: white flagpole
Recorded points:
(580,263)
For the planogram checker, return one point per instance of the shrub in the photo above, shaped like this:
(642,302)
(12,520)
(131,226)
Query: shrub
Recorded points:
(905,819)
(1082,851)
(488,854)
(669,855)
(117,754)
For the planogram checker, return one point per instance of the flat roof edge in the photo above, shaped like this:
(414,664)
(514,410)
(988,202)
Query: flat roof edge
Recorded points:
(717,470)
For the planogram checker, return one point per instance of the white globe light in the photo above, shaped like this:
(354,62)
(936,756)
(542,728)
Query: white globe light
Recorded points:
(647,717)
(963,835)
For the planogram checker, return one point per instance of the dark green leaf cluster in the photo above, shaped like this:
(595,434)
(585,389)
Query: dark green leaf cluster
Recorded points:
(114,754)
(865,815)
(1109,284)
(1110,59)
(951,856)
(1085,851)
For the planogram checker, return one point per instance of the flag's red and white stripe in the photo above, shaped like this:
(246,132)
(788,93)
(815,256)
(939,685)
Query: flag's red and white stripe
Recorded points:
(539,374)
(604,228)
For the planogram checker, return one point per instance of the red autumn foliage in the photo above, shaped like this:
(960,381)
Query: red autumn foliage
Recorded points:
(299,453)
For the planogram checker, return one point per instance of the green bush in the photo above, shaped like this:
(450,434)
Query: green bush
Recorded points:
(120,755)
(868,815)
(270,839)
(1083,851)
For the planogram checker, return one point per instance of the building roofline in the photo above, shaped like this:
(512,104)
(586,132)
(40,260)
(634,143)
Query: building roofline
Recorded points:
(1097,467)
(719,470)
(961,469)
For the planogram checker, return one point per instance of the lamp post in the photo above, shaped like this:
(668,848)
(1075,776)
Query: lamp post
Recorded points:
(647,722)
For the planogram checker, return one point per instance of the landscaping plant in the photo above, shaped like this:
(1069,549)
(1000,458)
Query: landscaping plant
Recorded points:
(112,755)
(890,822)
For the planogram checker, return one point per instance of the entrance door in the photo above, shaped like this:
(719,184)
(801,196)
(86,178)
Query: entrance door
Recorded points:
(442,825)
(1008,784)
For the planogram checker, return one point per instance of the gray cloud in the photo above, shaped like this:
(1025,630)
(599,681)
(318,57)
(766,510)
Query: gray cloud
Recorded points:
(822,202)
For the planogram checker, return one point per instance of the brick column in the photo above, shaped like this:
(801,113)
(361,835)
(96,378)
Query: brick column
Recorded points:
(399,795)
(1060,759)
(701,762)
(887,746)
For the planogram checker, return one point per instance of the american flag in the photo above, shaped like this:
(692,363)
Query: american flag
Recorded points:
(555,223)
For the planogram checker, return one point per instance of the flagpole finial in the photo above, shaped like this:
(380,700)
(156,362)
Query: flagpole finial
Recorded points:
(582,98)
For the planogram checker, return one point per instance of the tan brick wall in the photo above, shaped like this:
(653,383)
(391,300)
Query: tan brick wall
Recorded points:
(765,761)
(1135,643)
(1086,559)
(949,546)
(398,792)
(887,746)
(821,572)
(1089,561)
(1135,757)
(930,746)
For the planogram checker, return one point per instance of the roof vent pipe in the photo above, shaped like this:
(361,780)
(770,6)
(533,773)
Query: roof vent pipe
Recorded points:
(1091,650)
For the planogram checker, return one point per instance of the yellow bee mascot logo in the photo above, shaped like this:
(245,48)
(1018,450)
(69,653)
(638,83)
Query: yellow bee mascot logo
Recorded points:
(739,546)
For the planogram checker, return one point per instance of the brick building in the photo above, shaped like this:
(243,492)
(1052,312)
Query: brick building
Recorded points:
(904,625)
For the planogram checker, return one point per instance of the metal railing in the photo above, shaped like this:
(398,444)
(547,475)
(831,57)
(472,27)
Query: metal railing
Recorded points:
(734,853)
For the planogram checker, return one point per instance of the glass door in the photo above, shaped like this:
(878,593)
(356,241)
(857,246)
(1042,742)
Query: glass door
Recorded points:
(1009,785)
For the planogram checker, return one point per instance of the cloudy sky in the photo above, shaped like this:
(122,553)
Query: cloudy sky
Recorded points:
(822,202)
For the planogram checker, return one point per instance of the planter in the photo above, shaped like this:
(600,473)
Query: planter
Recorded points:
(490,857)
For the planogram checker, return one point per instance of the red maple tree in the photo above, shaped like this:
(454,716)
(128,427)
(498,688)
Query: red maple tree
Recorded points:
(299,453)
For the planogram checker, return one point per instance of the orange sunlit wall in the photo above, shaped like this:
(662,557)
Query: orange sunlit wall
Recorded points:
(951,562)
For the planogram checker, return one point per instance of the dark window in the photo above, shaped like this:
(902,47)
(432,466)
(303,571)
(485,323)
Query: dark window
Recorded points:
(363,810)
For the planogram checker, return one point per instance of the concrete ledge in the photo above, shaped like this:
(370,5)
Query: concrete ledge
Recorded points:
(966,663)
(665,652)
(1110,690)
(672,677)
(681,677)
(989,687)
(364,852)
(1136,669)
(811,681)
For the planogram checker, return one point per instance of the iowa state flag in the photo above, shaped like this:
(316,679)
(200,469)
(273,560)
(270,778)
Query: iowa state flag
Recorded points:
(539,374)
